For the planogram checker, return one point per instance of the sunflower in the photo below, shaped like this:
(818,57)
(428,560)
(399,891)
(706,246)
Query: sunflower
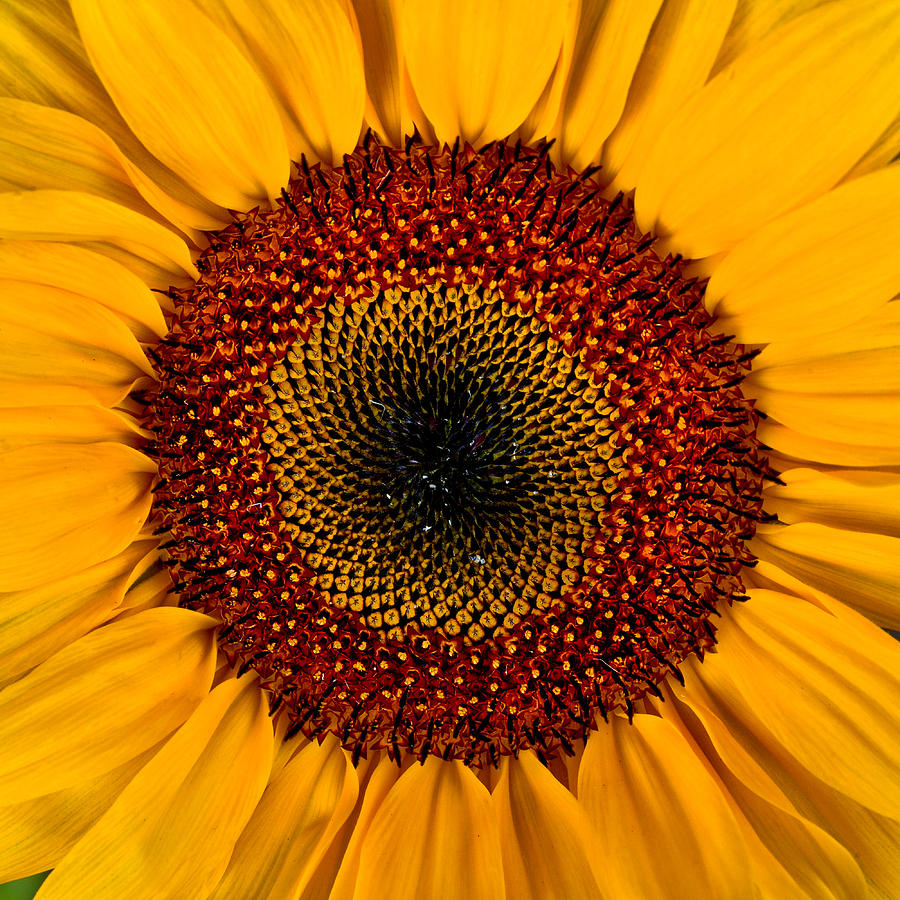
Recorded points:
(450,449)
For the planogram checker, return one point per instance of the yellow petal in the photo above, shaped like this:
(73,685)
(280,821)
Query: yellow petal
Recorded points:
(384,776)
(754,20)
(883,151)
(64,507)
(545,112)
(308,56)
(36,623)
(479,68)
(550,849)
(36,834)
(611,39)
(775,673)
(25,426)
(42,60)
(300,813)
(165,64)
(758,140)
(113,693)
(50,148)
(791,857)
(800,446)
(843,498)
(172,829)
(62,348)
(662,820)
(391,106)
(679,54)
(818,268)
(73,216)
(857,568)
(832,362)
(89,274)
(438,813)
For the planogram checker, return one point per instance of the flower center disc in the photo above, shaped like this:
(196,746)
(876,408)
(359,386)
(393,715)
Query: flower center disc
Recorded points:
(450,452)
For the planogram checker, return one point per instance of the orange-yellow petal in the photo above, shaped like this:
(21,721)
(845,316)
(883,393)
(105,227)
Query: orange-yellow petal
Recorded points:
(50,148)
(439,813)
(308,56)
(36,623)
(791,857)
(550,849)
(754,20)
(63,348)
(36,834)
(843,498)
(172,830)
(384,776)
(102,700)
(797,445)
(611,38)
(678,57)
(73,216)
(89,274)
(478,68)
(64,507)
(391,105)
(776,669)
(635,781)
(291,829)
(166,64)
(857,568)
(759,140)
(24,426)
(818,268)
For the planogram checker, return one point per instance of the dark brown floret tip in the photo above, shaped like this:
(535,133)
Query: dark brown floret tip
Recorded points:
(451,453)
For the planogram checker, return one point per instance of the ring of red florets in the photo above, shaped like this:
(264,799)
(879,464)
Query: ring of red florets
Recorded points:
(503,218)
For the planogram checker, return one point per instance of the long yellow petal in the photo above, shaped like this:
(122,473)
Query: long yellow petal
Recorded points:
(36,623)
(763,766)
(636,780)
(383,778)
(172,829)
(754,20)
(165,64)
(308,56)
(391,106)
(64,507)
(611,39)
(791,857)
(50,148)
(73,216)
(439,813)
(36,834)
(550,848)
(843,498)
(678,57)
(835,362)
(112,694)
(24,426)
(801,446)
(89,274)
(62,348)
(766,122)
(882,152)
(479,68)
(857,568)
(818,268)
(775,673)
(300,813)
